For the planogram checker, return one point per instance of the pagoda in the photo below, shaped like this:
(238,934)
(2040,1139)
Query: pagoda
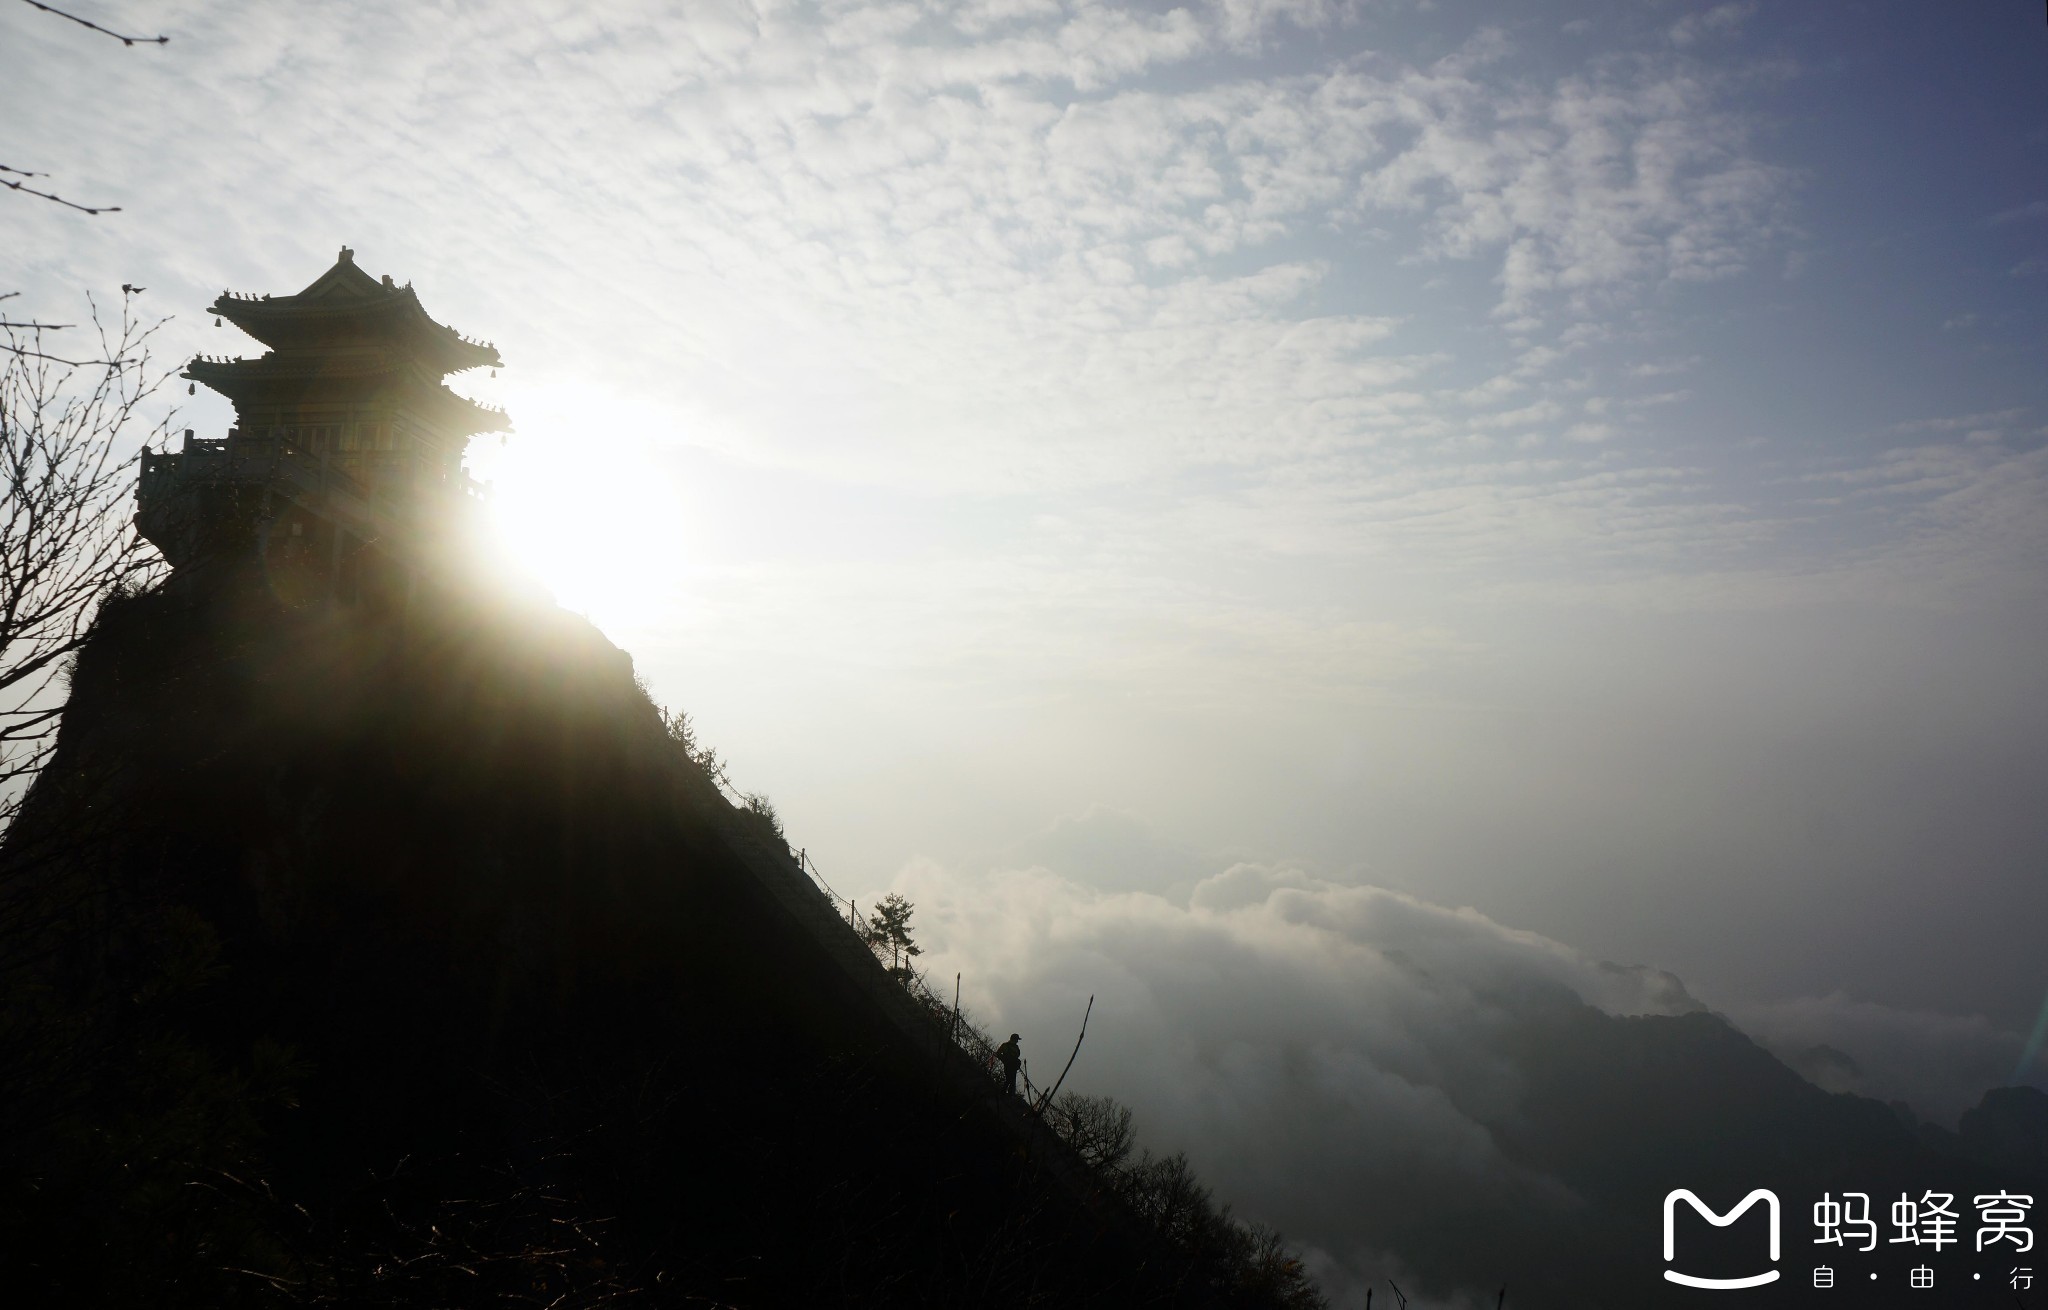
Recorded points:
(343,471)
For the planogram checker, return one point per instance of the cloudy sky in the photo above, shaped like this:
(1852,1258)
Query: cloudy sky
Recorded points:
(1575,471)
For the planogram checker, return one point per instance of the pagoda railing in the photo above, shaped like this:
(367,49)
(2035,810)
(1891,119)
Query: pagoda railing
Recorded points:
(393,487)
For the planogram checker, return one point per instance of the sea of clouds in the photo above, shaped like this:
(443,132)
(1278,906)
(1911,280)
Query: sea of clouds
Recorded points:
(1346,1061)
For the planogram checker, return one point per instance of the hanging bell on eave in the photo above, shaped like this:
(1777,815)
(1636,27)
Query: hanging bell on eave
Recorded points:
(216,322)
(191,388)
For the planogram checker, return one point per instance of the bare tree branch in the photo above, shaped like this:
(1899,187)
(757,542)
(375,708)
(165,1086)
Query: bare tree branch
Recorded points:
(26,353)
(66,540)
(124,40)
(26,189)
(19,181)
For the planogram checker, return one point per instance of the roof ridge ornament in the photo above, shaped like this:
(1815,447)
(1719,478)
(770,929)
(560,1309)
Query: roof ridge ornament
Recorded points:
(347,256)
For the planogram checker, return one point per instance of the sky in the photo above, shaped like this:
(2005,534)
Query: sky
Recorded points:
(1578,469)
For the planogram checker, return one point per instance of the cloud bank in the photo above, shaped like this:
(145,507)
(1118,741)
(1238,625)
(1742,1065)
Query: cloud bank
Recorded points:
(1403,1087)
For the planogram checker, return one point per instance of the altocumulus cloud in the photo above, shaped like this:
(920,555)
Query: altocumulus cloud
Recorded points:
(1110,243)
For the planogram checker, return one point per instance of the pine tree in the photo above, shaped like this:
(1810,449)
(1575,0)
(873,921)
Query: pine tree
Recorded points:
(889,926)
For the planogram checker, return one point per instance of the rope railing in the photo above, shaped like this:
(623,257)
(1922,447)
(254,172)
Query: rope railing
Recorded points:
(945,1014)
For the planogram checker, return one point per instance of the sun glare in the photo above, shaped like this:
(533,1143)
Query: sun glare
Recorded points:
(583,502)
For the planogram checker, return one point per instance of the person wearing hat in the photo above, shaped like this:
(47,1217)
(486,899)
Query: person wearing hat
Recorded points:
(1011,1055)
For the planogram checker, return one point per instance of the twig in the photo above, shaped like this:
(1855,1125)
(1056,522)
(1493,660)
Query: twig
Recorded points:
(40,327)
(26,189)
(58,359)
(124,40)
(1047,1100)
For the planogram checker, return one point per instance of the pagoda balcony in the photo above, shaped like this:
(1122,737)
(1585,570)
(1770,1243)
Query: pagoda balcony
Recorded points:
(371,492)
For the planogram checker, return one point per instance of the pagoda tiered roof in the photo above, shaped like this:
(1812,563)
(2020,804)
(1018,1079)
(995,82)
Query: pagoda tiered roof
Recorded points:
(345,305)
(274,378)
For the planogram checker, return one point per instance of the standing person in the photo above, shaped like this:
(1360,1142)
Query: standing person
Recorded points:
(1011,1055)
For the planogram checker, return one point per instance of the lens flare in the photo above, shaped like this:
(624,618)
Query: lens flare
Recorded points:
(583,501)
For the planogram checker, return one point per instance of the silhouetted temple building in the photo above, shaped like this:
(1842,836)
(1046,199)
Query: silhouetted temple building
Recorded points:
(343,471)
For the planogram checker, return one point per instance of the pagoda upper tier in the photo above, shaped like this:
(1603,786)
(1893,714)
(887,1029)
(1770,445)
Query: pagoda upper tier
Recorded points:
(349,337)
(346,305)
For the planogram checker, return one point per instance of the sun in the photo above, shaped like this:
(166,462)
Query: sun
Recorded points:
(583,501)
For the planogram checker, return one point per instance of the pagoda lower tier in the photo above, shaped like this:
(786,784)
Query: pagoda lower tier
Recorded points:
(337,524)
(348,386)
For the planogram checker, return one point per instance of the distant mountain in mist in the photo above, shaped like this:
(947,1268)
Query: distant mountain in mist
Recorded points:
(1623,1109)
(1421,1094)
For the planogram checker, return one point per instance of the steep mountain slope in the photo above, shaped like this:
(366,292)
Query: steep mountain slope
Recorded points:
(404,959)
